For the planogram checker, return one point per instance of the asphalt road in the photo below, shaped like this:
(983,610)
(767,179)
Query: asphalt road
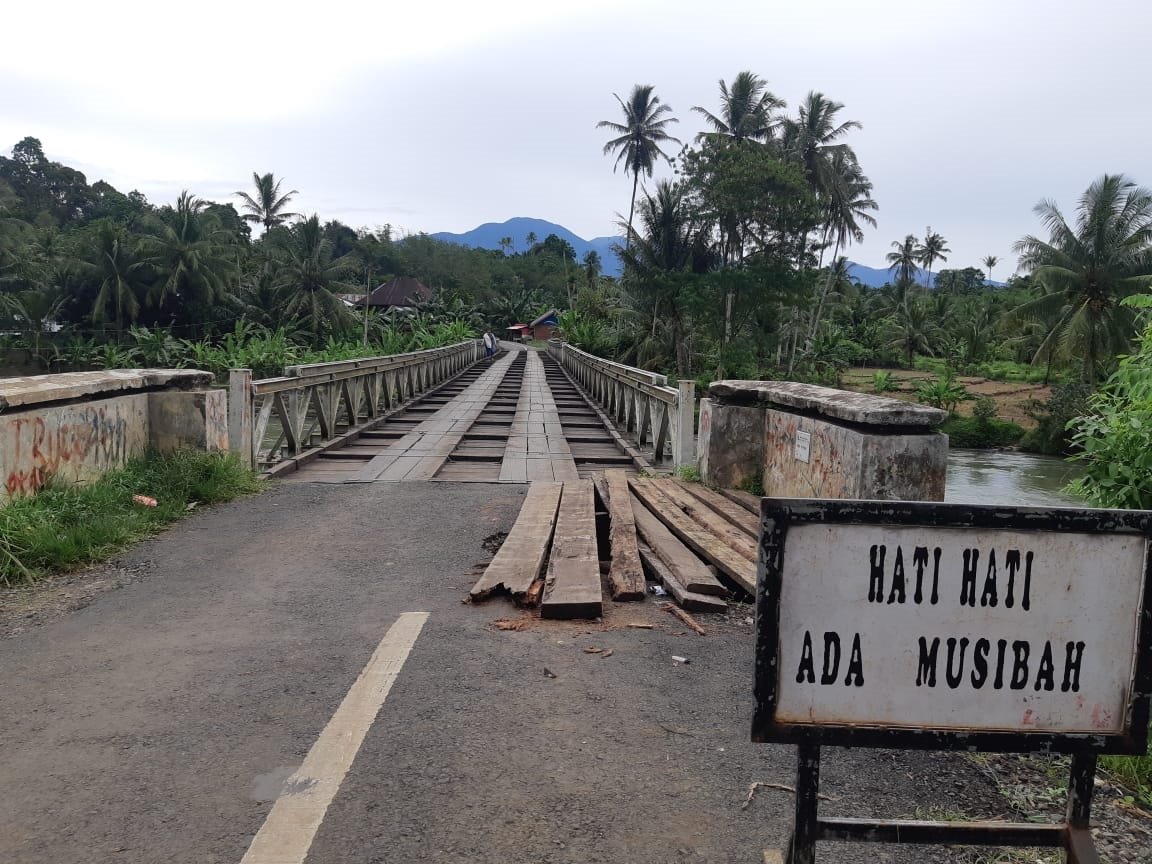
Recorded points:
(159,723)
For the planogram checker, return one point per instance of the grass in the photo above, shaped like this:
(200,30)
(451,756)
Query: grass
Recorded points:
(1134,773)
(65,526)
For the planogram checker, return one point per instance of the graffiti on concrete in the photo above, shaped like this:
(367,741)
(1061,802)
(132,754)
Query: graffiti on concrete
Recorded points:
(38,448)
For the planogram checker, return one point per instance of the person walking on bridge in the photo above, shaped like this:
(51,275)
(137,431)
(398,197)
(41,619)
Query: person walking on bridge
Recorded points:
(489,343)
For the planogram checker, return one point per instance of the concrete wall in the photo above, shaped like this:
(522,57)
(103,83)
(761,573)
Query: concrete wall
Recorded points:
(77,426)
(803,441)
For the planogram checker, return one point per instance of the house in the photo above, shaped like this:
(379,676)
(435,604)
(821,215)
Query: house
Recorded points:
(403,292)
(543,326)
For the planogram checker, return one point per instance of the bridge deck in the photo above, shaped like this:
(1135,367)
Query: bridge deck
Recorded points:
(513,420)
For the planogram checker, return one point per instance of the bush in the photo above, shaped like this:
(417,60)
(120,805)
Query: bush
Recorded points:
(943,392)
(67,526)
(1052,435)
(882,382)
(977,433)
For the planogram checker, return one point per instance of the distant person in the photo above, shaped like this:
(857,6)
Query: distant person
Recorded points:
(489,343)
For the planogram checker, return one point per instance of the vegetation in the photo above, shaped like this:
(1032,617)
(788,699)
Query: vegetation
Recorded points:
(65,527)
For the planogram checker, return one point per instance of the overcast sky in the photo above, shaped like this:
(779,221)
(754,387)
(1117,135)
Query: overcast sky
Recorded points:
(439,116)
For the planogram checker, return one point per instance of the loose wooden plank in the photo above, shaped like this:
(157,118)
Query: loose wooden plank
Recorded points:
(676,590)
(689,622)
(695,509)
(703,542)
(689,571)
(730,510)
(745,499)
(521,557)
(626,576)
(572,586)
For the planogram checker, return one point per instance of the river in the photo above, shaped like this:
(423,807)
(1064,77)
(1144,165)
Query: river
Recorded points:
(1003,477)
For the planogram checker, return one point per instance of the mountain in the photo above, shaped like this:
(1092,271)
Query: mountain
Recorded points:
(874,277)
(487,236)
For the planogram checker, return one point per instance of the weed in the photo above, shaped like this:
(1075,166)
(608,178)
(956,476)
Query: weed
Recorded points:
(688,472)
(752,486)
(67,526)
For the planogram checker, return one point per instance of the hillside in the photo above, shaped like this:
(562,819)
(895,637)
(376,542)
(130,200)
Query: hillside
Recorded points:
(488,236)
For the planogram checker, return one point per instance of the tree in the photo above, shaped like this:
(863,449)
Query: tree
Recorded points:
(1088,267)
(111,261)
(989,261)
(933,249)
(639,137)
(592,266)
(267,207)
(912,330)
(747,110)
(188,252)
(311,278)
(530,240)
(903,262)
(505,245)
(810,138)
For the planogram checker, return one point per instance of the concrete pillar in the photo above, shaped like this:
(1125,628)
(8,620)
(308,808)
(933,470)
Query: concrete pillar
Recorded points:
(240,414)
(730,444)
(684,436)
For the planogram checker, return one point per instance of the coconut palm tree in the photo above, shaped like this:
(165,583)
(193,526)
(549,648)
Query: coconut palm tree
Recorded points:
(505,245)
(1088,267)
(810,138)
(267,207)
(189,254)
(933,249)
(747,110)
(592,267)
(638,138)
(903,262)
(311,278)
(990,261)
(911,329)
(530,240)
(111,260)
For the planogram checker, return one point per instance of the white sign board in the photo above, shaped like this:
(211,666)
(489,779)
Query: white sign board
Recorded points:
(902,626)
(803,449)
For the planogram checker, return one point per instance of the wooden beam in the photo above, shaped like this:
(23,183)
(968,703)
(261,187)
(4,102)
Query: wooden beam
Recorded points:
(688,599)
(521,557)
(730,510)
(572,586)
(745,499)
(688,570)
(703,542)
(626,576)
(691,506)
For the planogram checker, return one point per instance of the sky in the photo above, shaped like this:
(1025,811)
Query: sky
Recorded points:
(440,116)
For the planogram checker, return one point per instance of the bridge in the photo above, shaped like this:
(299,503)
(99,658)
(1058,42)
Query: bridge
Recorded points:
(294,678)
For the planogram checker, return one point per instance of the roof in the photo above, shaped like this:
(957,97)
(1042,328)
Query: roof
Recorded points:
(401,291)
(517,327)
(549,317)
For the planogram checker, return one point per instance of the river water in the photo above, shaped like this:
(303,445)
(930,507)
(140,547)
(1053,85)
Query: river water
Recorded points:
(1002,477)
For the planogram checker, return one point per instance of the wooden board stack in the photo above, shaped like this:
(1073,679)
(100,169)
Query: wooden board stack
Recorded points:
(699,544)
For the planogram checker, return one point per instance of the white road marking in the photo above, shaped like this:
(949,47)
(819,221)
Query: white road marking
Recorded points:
(287,833)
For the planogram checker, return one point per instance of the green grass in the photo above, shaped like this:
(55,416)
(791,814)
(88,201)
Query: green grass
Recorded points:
(1135,773)
(65,527)
(688,472)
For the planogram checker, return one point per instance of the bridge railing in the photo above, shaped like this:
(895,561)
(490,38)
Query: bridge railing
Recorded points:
(640,402)
(274,419)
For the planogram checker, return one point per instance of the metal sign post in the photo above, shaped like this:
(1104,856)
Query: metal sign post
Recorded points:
(952,627)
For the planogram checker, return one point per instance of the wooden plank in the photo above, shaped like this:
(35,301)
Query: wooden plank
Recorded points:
(703,542)
(676,590)
(730,510)
(626,576)
(703,515)
(572,586)
(521,557)
(688,570)
(745,499)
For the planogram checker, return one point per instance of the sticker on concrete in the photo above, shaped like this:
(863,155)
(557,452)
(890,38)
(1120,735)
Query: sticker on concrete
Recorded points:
(803,446)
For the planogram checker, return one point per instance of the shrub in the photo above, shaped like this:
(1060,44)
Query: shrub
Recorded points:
(977,433)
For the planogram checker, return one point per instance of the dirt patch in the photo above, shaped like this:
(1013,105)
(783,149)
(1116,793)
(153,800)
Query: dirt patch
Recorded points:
(29,606)
(492,543)
(1013,399)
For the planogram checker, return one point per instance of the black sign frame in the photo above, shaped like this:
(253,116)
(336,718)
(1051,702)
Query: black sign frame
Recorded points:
(1073,835)
(777,514)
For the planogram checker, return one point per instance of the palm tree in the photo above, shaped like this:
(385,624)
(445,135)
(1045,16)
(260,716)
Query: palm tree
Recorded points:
(747,110)
(810,139)
(639,137)
(990,261)
(931,251)
(112,261)
(1087,268)
(188,253)
(530,240)
(505,244)
(912,330)
(592,267)
(903,262)
(311,277)
(268,206)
